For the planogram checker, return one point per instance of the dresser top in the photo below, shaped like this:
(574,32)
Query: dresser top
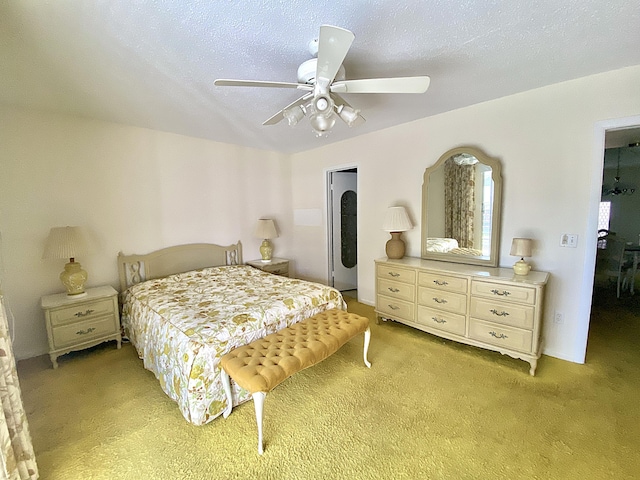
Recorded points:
(490,273)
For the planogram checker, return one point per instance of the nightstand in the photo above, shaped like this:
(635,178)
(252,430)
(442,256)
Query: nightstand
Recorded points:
(277,266)
(79,322)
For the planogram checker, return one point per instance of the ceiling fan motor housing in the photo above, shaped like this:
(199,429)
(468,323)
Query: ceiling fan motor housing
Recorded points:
(307,72)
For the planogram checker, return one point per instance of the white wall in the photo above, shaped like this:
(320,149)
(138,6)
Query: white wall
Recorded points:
(546,140)
(136,190)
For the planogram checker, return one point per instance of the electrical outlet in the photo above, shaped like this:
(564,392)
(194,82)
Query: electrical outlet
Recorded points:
(569,240)
(558,318)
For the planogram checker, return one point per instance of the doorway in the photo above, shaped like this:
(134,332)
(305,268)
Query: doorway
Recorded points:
(609,134)
(342,227)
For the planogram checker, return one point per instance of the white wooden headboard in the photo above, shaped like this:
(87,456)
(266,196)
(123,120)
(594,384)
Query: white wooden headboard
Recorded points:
(180,258)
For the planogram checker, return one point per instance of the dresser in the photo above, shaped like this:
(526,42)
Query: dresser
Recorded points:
(277,266)
(79,322)
(491,308)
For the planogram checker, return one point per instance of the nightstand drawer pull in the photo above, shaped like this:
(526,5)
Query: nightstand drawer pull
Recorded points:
(394,290)
(499,314)
(495,335)
(393,307)
(504,293)
(441,283)
(84,314)
(394,275)
(438,320)
(439,300)
(84,332)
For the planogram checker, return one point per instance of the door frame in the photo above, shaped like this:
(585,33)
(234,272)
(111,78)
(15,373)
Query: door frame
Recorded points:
(597,164)
(329,217)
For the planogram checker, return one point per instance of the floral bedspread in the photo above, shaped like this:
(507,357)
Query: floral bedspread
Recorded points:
(183,324)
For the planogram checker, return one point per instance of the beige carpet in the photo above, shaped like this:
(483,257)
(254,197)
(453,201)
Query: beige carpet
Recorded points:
(428,408)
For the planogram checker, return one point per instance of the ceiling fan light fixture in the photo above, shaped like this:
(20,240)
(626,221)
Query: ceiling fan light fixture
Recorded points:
(348,114)
(293,115)
(323,104)
(322,123)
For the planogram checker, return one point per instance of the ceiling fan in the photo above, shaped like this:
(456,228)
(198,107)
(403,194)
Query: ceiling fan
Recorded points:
(323,78)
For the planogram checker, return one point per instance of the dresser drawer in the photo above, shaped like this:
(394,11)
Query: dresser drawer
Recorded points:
(500,335)
(513,314)
(82,311)
(443,282)
(441,300)
(507,292)
(75,334)
(449,322)
(390,272)
(402,291)
(394,307)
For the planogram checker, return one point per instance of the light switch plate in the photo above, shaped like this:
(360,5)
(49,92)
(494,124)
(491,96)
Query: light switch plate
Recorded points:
(569,240)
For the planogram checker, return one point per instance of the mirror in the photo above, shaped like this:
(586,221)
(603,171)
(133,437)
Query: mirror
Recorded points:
(461,196)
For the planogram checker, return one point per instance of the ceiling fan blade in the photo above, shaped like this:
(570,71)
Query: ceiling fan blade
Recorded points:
(333,45)
(383,85)
(221,82)
(341,101)
(280,115)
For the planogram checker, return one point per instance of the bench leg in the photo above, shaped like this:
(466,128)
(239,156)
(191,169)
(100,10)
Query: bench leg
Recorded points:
(367,339)
(226,384)
(258,403)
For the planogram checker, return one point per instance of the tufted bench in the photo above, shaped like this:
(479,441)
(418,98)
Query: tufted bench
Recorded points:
(262,365)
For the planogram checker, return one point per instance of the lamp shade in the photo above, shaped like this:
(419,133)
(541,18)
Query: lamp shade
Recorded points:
(521,247)
(266,229)
(65,242)
(396,220)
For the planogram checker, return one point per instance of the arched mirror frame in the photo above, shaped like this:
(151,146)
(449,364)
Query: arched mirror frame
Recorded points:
(496,176)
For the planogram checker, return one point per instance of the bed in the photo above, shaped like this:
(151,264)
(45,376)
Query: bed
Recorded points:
(184,307)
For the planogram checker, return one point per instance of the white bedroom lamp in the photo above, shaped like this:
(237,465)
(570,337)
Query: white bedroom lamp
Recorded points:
(266,229)
(521,247)
(396,221)
(68,242)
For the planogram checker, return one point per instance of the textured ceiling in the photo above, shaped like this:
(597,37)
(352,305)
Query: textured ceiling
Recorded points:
(152,63)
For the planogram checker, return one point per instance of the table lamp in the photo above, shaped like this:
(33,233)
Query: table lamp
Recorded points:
(521,247)
(396,221)
(266,230)
(68,242)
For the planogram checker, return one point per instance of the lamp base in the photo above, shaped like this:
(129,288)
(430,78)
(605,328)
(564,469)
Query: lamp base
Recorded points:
(73,278)
(521,267)
(395,247)
(266,250)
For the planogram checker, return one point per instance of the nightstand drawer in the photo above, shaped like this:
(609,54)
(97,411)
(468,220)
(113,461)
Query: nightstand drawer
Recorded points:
(83,311)
(84,331)
(277,269)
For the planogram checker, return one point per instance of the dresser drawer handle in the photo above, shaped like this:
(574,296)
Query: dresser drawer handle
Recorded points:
(439,300)
(393,307)
(499,314)
(438,320)
(394,290)
(441,283)
(503,293)
(84,332)
(84,314)
(496,335)
(394,274)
